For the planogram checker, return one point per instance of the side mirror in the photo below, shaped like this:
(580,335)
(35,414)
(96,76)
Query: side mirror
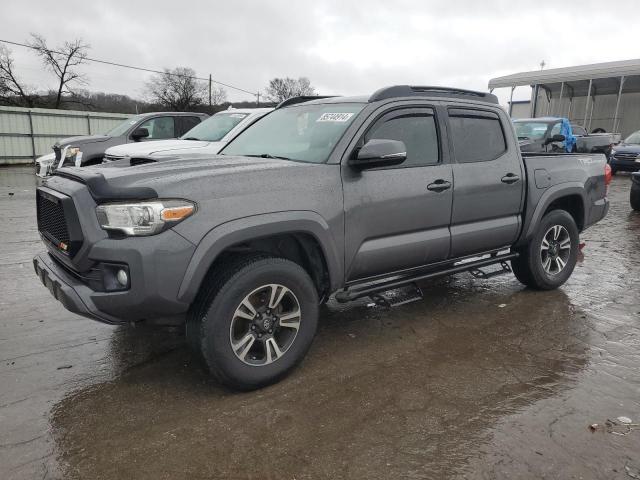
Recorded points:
(379,153)
(556,138)
(139,133)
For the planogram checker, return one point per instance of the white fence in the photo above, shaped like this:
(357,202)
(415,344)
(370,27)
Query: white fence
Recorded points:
(27,133)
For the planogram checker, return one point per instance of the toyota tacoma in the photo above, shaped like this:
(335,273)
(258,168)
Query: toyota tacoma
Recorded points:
(351,197)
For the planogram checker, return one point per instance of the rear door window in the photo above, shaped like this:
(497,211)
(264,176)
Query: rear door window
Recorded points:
(477,135)
(186,123)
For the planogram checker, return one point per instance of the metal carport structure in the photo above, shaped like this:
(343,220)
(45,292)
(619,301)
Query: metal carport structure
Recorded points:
(605,95)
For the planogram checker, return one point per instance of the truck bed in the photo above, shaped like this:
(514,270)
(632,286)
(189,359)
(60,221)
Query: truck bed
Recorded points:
(580,175)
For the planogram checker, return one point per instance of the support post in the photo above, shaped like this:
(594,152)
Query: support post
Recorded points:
(547,93)
(586,105)
(33,140)
(534,100)
(593,104)
(88,124)
(511,101)
(560,100)
(209,89)
(616,123)
(258,99)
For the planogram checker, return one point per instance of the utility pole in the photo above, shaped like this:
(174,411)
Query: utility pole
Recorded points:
(209,89)
(258,97)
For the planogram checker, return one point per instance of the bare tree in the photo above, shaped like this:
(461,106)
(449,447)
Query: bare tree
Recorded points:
(12,91)
(177,89)
(62,62)
(280,89)
(218,95)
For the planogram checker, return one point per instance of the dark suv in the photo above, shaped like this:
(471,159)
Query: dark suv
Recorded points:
(87,150)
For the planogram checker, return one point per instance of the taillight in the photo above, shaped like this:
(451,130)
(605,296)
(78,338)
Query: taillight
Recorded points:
(607,174)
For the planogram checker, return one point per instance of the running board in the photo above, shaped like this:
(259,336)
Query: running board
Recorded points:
(355,292)
(478,273)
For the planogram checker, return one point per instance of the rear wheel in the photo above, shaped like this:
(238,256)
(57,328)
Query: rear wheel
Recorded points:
(255,321)
(549,259)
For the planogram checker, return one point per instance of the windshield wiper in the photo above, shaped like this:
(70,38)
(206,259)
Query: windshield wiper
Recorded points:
(191,138)
(268,155)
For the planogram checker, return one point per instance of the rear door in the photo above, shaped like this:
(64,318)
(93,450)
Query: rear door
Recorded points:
(397,217)
(488,180)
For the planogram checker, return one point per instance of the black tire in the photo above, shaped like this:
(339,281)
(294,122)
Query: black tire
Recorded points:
(210,321)
(528,267)
(634,197)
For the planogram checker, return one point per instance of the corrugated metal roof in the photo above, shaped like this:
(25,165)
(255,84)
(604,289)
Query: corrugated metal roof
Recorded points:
(569,74)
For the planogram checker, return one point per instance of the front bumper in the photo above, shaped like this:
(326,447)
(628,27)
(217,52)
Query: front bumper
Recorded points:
(624,165)
(73,295)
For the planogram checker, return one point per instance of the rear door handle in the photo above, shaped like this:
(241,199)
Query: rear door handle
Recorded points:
(439,185)
(510,178)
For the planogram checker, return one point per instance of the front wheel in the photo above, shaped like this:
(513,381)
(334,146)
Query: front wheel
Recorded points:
(634,197)
(550,257)
(255,321)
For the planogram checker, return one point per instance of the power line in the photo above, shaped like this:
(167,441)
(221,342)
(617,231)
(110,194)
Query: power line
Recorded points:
(142,69)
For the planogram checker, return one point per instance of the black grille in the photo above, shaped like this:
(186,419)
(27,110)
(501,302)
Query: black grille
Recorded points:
(51,221)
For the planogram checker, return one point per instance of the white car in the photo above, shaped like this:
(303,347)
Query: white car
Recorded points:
(207,137)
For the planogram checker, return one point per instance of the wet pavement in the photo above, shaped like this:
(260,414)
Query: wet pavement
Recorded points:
(481,379)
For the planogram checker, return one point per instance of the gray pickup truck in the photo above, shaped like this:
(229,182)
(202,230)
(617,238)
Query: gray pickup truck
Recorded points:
(348,196)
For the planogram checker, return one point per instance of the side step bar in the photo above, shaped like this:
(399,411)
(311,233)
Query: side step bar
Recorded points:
(355,292)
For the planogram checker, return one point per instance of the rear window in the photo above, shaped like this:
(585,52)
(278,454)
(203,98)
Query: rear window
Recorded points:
(477,135)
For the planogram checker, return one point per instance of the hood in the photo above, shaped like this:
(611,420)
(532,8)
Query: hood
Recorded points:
(178,176)
(164,147)
(82,140)
(626,148)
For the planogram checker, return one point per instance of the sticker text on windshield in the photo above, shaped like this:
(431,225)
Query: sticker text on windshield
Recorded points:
(334,117)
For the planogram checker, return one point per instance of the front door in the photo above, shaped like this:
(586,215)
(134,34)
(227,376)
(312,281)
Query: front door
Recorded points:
(398,217)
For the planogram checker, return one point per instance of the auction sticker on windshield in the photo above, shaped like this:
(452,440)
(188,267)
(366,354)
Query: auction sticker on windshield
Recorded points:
(334,117)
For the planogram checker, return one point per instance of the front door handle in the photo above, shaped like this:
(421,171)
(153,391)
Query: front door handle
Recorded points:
(439,185)
(510,178)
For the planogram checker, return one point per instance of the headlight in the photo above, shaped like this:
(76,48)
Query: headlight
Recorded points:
(143,218)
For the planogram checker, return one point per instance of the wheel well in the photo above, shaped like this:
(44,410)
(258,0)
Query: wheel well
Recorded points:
(301,248)
(571,204)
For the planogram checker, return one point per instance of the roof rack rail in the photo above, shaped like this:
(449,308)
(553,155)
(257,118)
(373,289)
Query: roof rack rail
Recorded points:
(420,91)
(302,99)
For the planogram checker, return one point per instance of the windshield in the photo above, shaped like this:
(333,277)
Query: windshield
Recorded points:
(531,130)
(216,127)
(633,138)
(306,133)
(121,128)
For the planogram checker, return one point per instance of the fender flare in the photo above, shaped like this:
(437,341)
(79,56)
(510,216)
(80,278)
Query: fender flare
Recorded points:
(254,227)
(552,194)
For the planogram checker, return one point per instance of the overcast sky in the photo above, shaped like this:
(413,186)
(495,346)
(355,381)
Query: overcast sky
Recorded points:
(344,47)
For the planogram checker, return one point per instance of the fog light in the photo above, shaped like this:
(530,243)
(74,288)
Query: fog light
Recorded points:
(122,277)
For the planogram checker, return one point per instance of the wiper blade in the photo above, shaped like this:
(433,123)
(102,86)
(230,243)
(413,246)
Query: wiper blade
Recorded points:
(191,138)
(268,155)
